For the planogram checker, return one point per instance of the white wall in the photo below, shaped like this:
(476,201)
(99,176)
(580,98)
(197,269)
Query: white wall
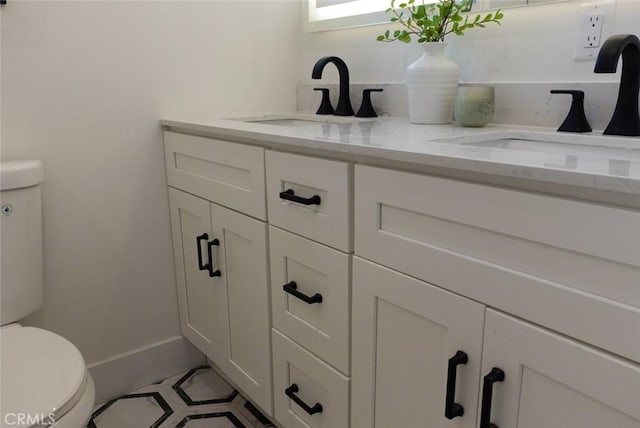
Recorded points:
(533,44)
(84,85)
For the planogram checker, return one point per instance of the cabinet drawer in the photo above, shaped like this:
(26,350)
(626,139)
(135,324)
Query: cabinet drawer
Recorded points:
(528,254)
(328,218)
(227,173)
(316,386)
(314,308)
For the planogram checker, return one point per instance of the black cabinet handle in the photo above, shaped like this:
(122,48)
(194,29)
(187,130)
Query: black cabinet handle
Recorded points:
(292,288)
(212,272)
(289,195)
(199,239)
(291,393)
(495,375)
(451,408)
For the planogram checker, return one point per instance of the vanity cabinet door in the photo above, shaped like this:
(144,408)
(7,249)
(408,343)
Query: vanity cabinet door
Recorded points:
(200,296)
(405,332)
(241,257)
(555,382)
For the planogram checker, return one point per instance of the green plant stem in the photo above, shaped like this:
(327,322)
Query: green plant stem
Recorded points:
(433,22)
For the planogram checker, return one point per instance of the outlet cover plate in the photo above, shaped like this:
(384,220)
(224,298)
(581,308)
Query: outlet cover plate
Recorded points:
(596,22)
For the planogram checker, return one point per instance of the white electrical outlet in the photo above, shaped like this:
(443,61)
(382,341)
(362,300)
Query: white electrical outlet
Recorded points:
(591,30)
(595,23)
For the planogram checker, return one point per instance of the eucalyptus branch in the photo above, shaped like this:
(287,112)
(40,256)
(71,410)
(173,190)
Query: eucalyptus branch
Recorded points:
(432,22)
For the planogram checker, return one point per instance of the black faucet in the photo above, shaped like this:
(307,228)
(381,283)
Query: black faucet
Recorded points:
(344,102)
(625,120)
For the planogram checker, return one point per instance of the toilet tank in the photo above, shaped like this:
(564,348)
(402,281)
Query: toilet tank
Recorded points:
(21,282)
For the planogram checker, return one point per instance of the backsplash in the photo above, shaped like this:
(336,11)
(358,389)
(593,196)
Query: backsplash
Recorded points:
(516,103)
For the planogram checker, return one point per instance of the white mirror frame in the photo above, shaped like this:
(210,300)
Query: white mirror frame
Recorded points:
(358,13)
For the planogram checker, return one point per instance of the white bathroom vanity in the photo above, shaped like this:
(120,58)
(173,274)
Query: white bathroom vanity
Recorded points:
(371,273)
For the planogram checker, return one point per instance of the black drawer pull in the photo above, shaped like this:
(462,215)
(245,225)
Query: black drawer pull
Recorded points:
(495,375)
(290,196)
(451,408)
(212,272)
(199,239)
(292,288)
(291,393)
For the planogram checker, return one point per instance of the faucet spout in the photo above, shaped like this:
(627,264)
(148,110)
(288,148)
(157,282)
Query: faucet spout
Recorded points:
(344,101)
(626,118)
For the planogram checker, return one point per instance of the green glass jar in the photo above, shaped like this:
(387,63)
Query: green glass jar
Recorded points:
(475,105)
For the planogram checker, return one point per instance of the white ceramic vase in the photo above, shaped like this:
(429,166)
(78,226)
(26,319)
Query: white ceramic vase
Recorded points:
(432,83)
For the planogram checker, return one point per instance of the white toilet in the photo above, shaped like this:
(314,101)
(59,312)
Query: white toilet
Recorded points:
(44,380)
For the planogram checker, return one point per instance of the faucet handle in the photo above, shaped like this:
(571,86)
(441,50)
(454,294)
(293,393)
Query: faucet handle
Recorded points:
(576,120)
(325,105)
(366,108)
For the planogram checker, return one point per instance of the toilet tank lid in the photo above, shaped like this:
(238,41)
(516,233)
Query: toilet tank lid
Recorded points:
(20,173)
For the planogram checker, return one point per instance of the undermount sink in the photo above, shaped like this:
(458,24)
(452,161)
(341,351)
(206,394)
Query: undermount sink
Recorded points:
(296,120)
(287,122)
(538,142)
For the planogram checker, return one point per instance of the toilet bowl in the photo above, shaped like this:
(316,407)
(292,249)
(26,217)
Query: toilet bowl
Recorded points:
(44,380)
(43,377)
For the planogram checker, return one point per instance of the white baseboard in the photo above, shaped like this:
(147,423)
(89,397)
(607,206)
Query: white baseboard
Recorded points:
(127,372)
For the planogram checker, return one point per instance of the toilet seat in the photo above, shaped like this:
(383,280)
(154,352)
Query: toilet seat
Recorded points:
(43,374)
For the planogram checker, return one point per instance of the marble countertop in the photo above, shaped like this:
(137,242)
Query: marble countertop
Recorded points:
(588,161)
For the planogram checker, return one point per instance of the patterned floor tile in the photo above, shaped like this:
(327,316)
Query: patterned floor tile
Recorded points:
(147,409)
(198,398)
(204,386)
(211,420)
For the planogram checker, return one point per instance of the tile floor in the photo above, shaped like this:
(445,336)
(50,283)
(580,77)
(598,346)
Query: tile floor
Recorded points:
(197,399)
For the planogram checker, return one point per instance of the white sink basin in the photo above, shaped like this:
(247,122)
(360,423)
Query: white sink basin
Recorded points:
(559,143)
(296,120)
(286,122)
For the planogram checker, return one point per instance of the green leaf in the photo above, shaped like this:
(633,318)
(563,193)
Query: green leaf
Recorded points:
(405,37)
(432,20)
